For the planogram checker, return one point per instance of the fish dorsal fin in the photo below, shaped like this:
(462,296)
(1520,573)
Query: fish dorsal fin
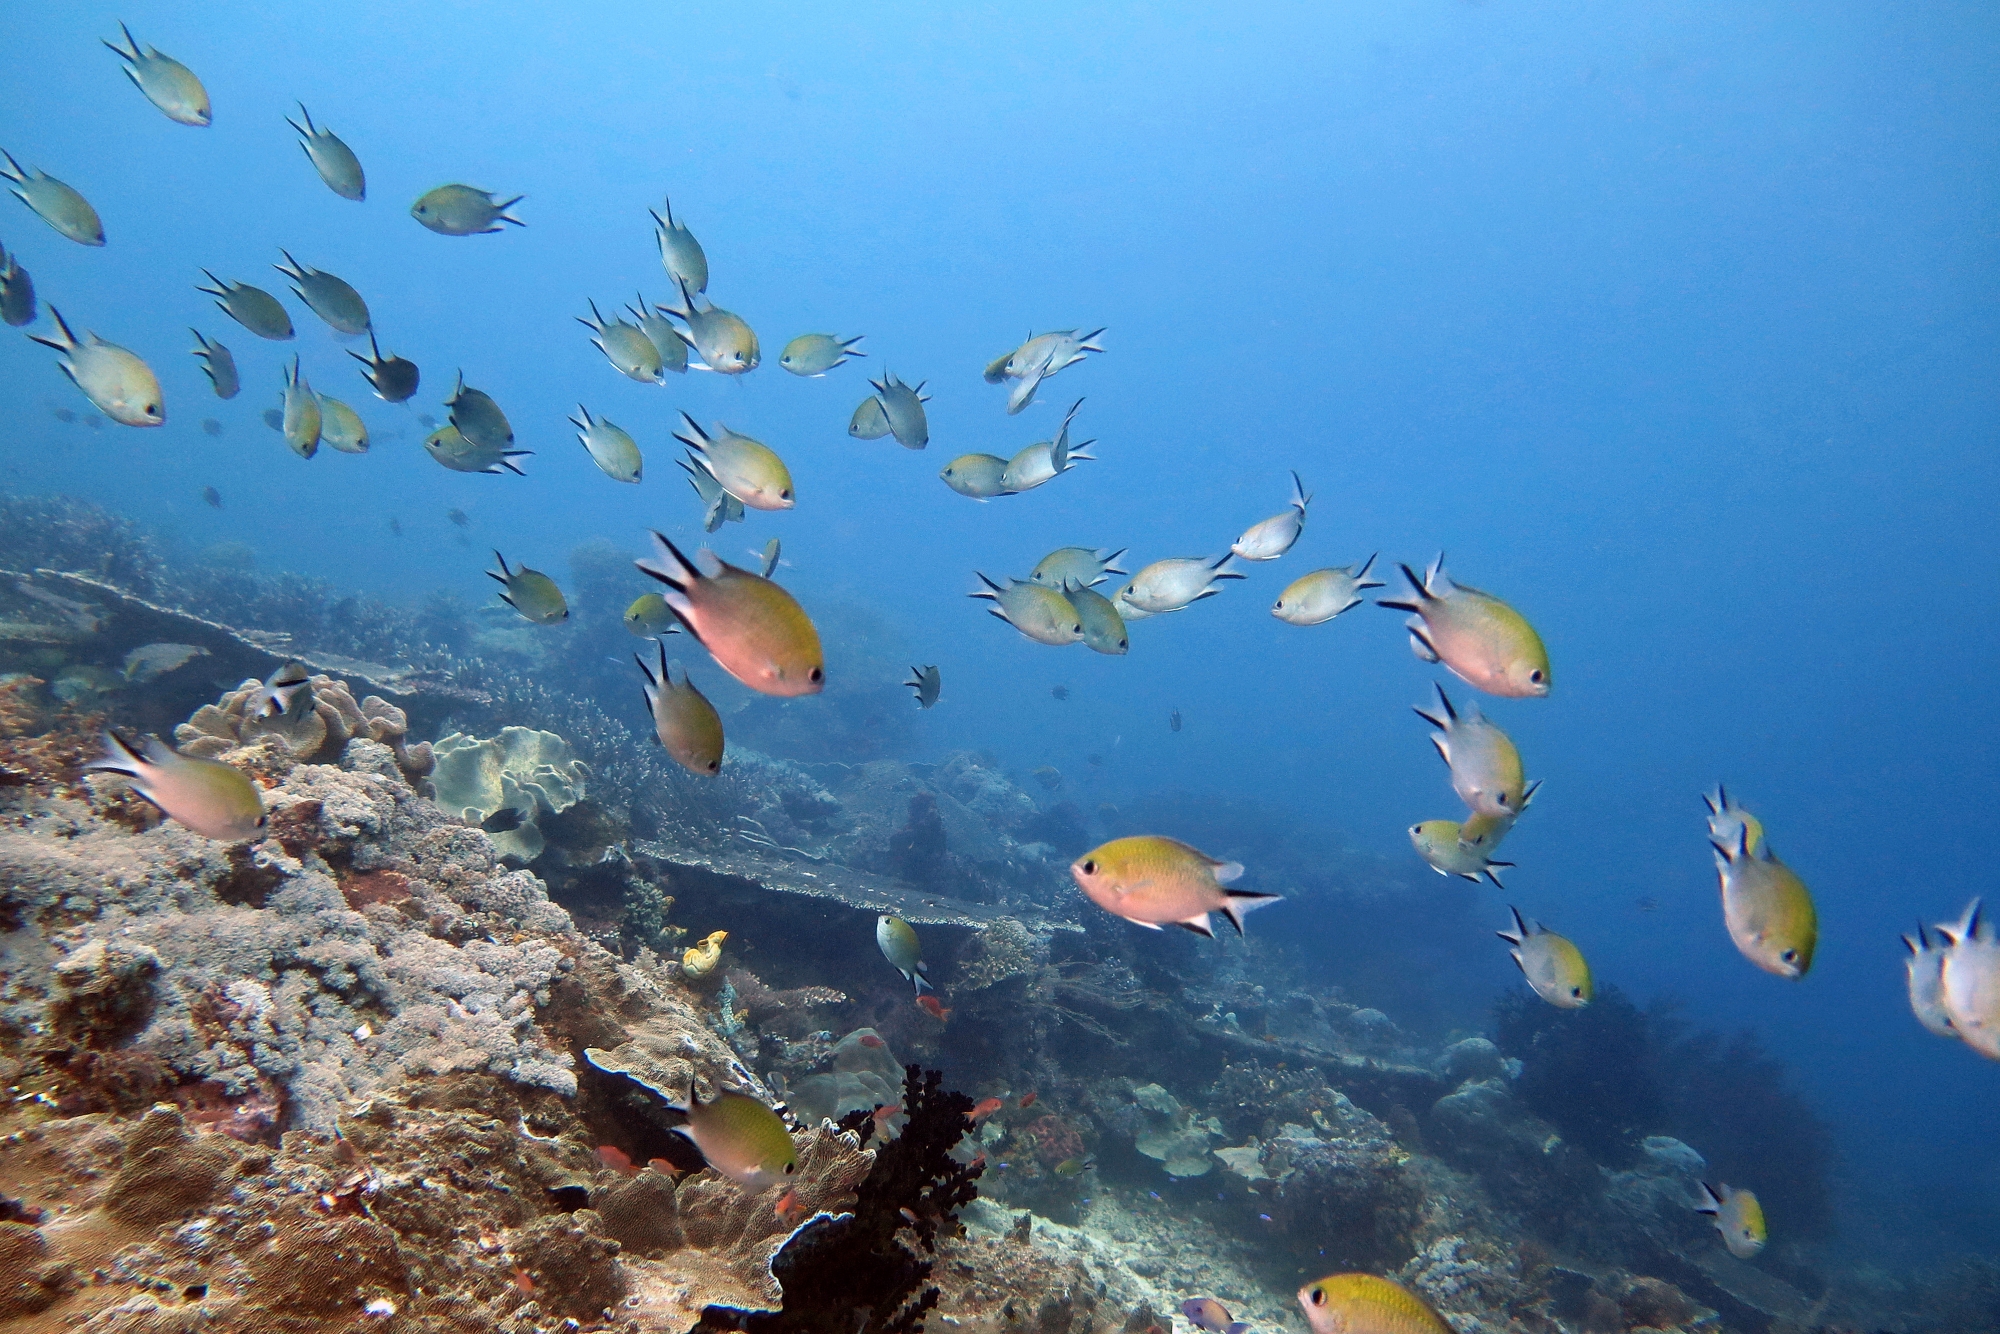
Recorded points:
(1228,873)
(708,563)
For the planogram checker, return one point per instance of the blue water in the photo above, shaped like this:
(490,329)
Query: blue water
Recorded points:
(1673,324)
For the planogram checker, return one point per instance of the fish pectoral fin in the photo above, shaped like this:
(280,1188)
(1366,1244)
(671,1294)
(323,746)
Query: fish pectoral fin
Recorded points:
(1228,873)
(1200,926)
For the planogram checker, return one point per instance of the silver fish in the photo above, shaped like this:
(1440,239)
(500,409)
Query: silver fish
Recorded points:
(665,338)
(462,210)
(393,379)
(59,205)
(252,307)
(332,159)
(903,405)
(626,346)
(17,291)
(478,418)
(927,682)
(813,355)
(117,382)
(680,254)
(330,298)
(167,84)
(220,365)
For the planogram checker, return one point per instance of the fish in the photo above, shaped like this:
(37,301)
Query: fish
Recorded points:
(660,331)
(331,158)
(62,414)
(626,346)
(1157,881)
(59,205)
(220,365)
(897,940)
(1481,832)
(167,84)
(330,298)
(274,418)
(741,1138)
(614,452)
(927,682)
(1969,980)
(1070,1167)
(17,291)
(211,497)
(1035,360)
(393,379)
(1273,537)
(1554,966)
(1767,908)
(984,1108)
(718,506)
(683,719)
(649,615)
(1318,597)
(1738,1217)
(459,454)
(747,469)
(457,516)
(870,420)
(1046,460)
(118,383)
(210,426)
(477,417)
(1726,819)
(530,592)
(149,662)
(1027,1099)
(341,427)
(680,254)
(770,558)
(933,1007)
(252,307)
(1042,614)
(813,355)
(1103,627)
(872,1040)
(1437,842)
(395,526)
(719,337)
(462,210)
(1048,776)
(1059,692)
(1926,978)
(1169,585)
(428,422)
(1174,721)
(1366,1304)
(209,797)
(903,406)
(754,629)
(1485,642)
(1083,567)
(981,476)
(789,1207)
(302,415)
(1206,1313)
(286,692)
(1485,766)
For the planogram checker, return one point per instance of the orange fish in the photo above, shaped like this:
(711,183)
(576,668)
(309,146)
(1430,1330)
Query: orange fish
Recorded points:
(1027,1100)
(788,1206)
(522,1281)
(615,1158)
(870,1040)
(886,1113)
(933,1007)
(986,1107)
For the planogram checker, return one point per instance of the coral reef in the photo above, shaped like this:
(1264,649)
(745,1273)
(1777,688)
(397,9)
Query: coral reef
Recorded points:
(531,773)
(318,732)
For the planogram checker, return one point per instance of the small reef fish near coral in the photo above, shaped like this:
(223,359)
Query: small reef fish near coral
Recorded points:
(439,976)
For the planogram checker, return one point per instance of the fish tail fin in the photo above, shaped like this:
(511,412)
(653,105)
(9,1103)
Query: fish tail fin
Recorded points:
(1222,569)
(1089,341)
(1419,585)
(307,117)
(502,215)
(120,757)
(1492,872)
(668,565)
(1420,644)
(1299,497)
(68,339)
(1361,579)
(1241,903)
(1518,934)
(1435,577)
(847,345)
(1711,1202)
(1111,562)
(12,171)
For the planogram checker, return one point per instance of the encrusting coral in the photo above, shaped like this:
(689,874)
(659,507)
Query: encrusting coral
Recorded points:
(529,772)
(316,733)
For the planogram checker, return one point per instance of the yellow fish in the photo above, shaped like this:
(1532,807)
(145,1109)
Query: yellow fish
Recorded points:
(167,84)
(742,1139)
(1103,627)
(1154,881)
(649,615)
(341,427)
(1553,965)
(615,452)
(1725,818)
(1485,642)
(1767,908)
(683,719)
(1365,1304)
(459,454)
(118,383)
(721,338)
(530,592)
(747,469)
(331,158)
(625,345)
(461,210)
(813,355)
(1485,767)
(213,799)
(1318,597)
(1085,567)
(981,476)
(1438,842)
(59,205)
(1042,614)
(252,307)
(1738,1217)
(680,254)
(755,630)
(301,421)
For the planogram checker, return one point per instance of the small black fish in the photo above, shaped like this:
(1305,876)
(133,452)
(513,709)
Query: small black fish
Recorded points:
(1174,720)
(503,821)
(1060,692)
(1647,903)
(429,422)
(63,415)
(274,419)
(212,496)
(1094,761)
(395,525)
(457,516)
(211,425)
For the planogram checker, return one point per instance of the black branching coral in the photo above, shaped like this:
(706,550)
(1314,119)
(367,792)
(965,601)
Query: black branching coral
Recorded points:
(859,1272)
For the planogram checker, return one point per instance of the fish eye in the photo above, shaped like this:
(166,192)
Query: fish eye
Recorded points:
(815,675)
(1318,1296)
(1576,991)
(1790,956)
(1536,676)
(1090,867)
(791,1168)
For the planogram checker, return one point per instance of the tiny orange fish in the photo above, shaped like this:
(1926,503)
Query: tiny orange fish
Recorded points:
(788,1206)
(522,1281)
(870,1040)
(933,1007)
(660,1165)
(615,1158)
(908,1216)
(1027,1100)
(985,1107)
(886,1113)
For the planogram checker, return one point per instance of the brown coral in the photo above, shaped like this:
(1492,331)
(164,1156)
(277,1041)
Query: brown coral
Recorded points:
(168,1172)
(315,734)
(571,1263)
